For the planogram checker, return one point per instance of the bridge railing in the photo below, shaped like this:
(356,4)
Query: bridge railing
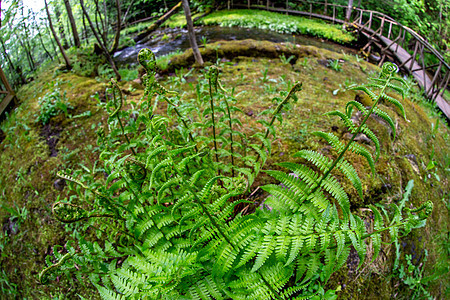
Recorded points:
(424,57)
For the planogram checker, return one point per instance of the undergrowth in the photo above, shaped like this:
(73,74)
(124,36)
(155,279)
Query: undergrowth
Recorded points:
(174,210)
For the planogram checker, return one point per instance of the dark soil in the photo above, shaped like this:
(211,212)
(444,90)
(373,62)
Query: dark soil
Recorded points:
(51,132)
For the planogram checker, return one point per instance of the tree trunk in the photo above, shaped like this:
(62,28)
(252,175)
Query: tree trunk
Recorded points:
(124,20)
(76,37)
(66,59)
(102,45)
(27,52)
(158,23)
(349,11)
(11,66)
(192,40)
(85,29)
(65,44)
(43,46)
(52,41)
(119,26)
(37,28)
(98,15)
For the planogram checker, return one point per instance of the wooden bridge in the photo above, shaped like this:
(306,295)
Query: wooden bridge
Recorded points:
(394,41)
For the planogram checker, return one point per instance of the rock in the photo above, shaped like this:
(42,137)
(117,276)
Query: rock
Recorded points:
(59,184)
(362,138)
(323,62)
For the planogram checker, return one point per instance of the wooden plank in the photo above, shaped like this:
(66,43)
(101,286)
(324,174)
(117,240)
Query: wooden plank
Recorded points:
(422,79)
(5,102)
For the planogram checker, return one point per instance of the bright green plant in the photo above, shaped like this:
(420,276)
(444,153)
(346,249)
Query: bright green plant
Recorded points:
(52,104)
(412,276)
(335,65)
(287,60)
(282,23)
(168,211)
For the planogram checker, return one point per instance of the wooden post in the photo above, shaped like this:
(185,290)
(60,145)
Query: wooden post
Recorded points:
(390,30)
(10,94)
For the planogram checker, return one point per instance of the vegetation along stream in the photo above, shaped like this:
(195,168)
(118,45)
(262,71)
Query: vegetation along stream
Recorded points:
(268,157)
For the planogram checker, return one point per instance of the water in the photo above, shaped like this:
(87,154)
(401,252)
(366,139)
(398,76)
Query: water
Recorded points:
(168,40)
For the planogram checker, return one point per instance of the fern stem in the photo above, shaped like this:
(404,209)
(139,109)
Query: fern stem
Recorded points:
(297,87)
(269,286)
(358,130)
(213,123)
(123,132)
(182,120)
(231,130)
(205,210)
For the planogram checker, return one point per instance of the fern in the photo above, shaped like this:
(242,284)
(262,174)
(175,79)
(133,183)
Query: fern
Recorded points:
(170,207)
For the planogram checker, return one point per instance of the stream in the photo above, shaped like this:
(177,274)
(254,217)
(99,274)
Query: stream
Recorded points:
(168,40)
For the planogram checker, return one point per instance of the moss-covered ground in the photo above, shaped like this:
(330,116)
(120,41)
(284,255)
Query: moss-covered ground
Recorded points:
(28,166)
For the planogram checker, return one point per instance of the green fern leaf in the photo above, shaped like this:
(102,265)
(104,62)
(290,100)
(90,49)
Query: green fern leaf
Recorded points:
(283,198)
(359,106)
(345,119)
(266,250)
(373,138)
(331,139)
(360,150)
(331,185)
(312,264)
(371,94)
(226,256)
(347,169)
(296,246)
(396,103)
(107,294)
(385,117)
(319,160)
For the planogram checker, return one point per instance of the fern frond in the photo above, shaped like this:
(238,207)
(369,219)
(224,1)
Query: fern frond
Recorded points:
(345,119)
(331,185)
(318,159)
(365,89)
(107,294)
(385,117)
(347,169)
(359,106)
(396,103)
(267,247)
(331,139)
(360,150)
(369,133)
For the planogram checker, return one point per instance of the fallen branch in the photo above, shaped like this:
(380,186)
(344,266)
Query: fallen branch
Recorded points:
(158,23)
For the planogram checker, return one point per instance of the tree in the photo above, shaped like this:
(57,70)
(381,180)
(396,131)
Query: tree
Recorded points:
(101,44)
(348,14)
(119,26)
(66,59)
(73,25)
(190,26)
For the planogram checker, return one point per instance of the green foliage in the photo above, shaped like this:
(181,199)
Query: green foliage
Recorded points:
(413,277)
(52,104)
(277,22)
(169,210)
(335,65)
